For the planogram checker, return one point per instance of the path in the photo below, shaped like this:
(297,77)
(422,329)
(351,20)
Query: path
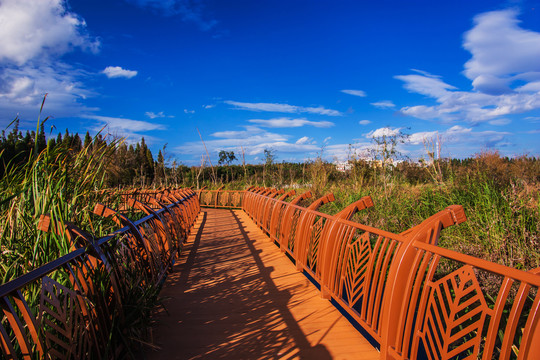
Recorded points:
(234,295)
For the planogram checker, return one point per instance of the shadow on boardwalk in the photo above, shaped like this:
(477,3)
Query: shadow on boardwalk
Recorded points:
(222,300)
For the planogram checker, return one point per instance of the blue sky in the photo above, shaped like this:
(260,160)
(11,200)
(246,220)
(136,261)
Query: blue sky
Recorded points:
(297,77)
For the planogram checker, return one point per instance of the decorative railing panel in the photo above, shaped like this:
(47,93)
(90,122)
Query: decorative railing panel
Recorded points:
(74,307)
(414,298)
(221,198)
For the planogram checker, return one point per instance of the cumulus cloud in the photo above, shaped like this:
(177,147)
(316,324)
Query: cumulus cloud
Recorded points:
(425,84)
(30,29)
(131,130)
(118,123)
(284,108)
(290,123)
(355,92)
(385,104)
(153,115)
(364,122)
(304,140)
(188,10)
(501,51)
(461,140)
(504,71)
(22,90)
(33,34)
(385,131)
(118,72)
(253,139)
(471,106)
(500,122)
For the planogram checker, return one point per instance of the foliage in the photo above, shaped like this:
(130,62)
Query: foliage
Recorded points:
(59,181)
(226,157)
(501,198)
(64,178)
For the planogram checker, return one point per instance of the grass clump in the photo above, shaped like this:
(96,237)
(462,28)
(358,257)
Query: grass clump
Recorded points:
(55,181)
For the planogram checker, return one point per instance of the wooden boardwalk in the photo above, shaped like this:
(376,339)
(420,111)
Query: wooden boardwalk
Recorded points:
(234,295)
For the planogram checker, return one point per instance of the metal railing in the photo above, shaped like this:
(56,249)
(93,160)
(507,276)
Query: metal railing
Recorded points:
(413,298)
(70,307)
(221,198)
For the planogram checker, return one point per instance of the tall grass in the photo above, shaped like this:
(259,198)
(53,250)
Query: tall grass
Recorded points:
(55,181)
(501,198)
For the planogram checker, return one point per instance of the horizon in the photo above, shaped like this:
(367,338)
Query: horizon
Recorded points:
(297,77)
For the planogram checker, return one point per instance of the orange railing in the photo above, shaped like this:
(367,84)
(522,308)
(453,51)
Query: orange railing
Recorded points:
(412,297)
(74,306)
(221,198)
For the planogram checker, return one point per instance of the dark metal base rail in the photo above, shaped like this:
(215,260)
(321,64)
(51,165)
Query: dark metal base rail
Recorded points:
(75,307)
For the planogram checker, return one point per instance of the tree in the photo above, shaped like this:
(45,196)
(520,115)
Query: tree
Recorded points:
(269,158)
(385,151)
(160,169)
(226,157)
(87,139)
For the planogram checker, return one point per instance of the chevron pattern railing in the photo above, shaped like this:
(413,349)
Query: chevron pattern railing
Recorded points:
(67,309)
(414,298)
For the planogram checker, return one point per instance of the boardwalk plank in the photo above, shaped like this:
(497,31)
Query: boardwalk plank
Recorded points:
(234,295)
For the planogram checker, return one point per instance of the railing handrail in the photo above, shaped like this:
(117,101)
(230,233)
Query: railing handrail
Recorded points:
(45,269)
(394,284)
(148,239)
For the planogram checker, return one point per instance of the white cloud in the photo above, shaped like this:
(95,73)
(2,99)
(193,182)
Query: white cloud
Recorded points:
(470,106)
(385,104)
(500,122)
(419,137)
(253,139)
(118,72)
(305,140)
(290,123)
(131,130)
(500,50)
(385,131)
(364,122)
(327,139)
(209,106)
(32,29)
(285,108)
(425,84)
(186,111)
(160,114)
(504,71)
(463,140)
(117,123)
(355,92)
(343,152)
(33,34)
(22,90)
(152,115)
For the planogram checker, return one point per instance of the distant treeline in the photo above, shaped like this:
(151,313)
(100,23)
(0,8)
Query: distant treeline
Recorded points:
(135,165)
(126,165)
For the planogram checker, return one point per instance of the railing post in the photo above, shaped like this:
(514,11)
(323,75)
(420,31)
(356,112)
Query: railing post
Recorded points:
(328,249)
(305,226)
(398,290)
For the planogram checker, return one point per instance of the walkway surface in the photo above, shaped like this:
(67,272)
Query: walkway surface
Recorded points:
(234,295)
